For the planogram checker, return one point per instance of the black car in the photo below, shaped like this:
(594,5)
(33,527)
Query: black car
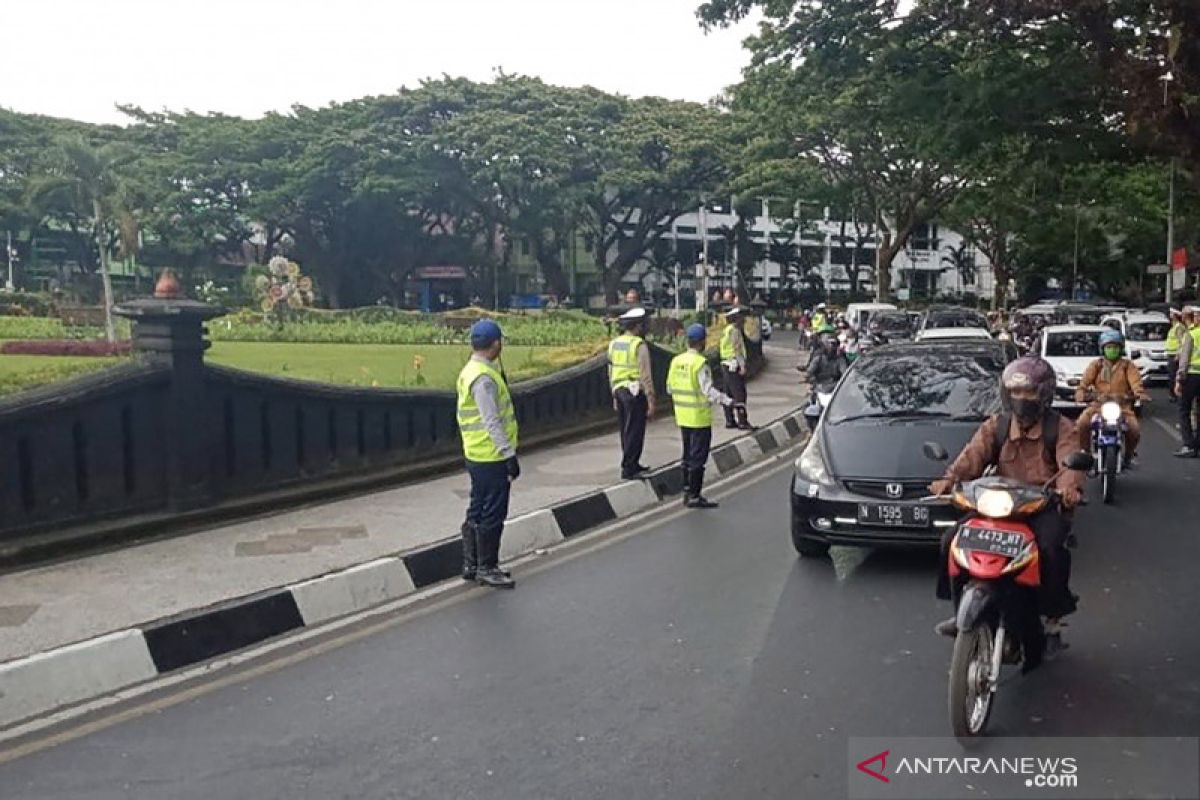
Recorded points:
(863,477)
(895,326)
(954,317)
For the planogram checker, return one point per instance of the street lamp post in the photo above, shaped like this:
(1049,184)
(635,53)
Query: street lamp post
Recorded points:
(8,250)
(1170,234)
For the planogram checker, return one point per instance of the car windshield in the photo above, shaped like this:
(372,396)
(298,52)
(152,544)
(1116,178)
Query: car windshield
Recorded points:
(1080,316)
(1075,344)
(934,384)
(1148,331)
(955,319)
(891,321)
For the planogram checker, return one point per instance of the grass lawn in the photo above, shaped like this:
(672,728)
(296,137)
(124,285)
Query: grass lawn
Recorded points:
(24,372)
(386,365)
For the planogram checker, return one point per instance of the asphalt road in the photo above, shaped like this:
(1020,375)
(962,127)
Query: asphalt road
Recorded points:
(699,660)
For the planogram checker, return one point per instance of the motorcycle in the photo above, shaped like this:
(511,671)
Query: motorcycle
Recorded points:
(1108,443)
(994,557)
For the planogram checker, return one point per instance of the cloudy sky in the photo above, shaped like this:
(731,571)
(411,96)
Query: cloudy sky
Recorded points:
(78,58)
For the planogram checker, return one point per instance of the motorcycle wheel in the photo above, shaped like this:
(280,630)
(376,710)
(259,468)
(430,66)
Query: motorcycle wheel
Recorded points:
(970,689)
(1108,473)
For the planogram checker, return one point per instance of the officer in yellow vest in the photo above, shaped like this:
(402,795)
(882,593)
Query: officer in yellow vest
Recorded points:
(632,385)
(1175,335)
(733,369)
(488,424)
(1187,382)
(689,382)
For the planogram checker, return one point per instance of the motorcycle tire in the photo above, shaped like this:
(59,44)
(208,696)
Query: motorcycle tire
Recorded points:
(972,653)
(1108,473)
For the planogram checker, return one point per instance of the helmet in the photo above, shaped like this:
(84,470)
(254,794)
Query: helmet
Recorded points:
(696,332)
(1111,336)
(1028,372)
(484,333)
(820,306)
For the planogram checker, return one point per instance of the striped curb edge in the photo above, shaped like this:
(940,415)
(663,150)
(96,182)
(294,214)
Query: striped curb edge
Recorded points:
(47,681)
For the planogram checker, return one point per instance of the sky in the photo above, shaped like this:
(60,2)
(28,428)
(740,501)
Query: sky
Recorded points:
(79,58)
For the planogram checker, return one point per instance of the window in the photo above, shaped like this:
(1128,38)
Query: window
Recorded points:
(524,247)
(686,229)
(924,237)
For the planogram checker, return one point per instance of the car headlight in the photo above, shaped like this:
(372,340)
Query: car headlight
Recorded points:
(1060,375)
(1110,411)
(810,466)
(994,503)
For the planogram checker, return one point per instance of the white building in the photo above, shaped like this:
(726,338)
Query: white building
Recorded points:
(927,267)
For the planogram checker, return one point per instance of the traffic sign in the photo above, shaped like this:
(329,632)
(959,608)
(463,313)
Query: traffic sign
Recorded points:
(1157,269)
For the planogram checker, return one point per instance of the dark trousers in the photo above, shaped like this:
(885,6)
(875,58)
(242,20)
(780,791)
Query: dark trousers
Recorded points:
(1191,392)
(1172,369)
(486,512)
(696,444)
(735,386)
(632,410)
(1051,528)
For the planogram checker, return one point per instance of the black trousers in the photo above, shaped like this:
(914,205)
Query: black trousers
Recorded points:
(487,509)
(1172,368)
(632,410)
(1191,392)
(1051,528)
(735,387)
(696,444)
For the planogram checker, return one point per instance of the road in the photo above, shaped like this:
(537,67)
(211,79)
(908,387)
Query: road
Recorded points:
(700,659)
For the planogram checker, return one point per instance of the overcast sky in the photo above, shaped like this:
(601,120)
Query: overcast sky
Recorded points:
(78,58)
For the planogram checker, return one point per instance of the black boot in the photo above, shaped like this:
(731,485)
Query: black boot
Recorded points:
(470,552)
(686,483)
(744,419)
(695,484)
(489,572)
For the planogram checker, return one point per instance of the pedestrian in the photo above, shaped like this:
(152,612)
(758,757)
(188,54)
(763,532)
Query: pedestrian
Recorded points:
(733,369)
(1187,382)
(633,298)
(1175,336)
(488,424)
(690,385)
(632,385)
(819,317)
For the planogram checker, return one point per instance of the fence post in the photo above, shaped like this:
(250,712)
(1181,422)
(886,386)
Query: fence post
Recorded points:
(168,329)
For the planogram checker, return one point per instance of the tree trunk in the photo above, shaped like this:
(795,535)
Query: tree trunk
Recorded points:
(105,281)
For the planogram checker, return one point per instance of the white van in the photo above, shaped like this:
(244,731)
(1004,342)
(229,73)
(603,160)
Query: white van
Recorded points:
(857,314)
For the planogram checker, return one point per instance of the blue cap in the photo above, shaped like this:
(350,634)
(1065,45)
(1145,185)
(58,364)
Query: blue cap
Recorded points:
(696,332)
(484,333)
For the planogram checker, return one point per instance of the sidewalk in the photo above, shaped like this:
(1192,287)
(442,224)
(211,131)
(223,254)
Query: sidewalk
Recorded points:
(49,606)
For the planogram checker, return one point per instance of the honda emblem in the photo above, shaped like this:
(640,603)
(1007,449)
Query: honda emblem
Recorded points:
(895,490)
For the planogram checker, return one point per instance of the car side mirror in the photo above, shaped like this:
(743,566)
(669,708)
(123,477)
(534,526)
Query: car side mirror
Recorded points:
(934,451)
(1080,461)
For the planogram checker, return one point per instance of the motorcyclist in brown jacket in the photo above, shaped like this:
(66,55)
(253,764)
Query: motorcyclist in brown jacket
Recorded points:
(1111,377)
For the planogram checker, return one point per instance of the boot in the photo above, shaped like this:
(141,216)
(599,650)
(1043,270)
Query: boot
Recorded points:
(470,552)
(947,627)
(743,421)
(687,484)
(489,572)
(694,498)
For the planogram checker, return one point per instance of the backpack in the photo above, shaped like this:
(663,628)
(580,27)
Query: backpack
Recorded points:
(1049,434)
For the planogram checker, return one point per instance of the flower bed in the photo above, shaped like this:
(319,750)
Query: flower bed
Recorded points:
(66,347)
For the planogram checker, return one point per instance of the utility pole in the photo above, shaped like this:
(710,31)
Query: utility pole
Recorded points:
(8,249)
(1170,234)
(702,267)
(1075,260)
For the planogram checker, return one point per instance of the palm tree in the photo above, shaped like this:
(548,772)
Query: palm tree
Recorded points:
(89,181)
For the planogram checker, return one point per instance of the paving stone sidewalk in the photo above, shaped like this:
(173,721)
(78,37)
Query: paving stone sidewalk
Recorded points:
(57,604)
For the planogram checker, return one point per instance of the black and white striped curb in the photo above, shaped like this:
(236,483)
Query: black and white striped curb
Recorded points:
(54,679)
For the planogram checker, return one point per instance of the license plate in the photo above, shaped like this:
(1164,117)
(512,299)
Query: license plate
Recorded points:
(893,516)
(1002,543)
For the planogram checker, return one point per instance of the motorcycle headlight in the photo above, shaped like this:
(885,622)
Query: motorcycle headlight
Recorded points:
(994,503)
(1110,412)
(810,466)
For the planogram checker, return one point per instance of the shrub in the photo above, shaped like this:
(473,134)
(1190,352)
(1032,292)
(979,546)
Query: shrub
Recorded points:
(25,304)
(66,347)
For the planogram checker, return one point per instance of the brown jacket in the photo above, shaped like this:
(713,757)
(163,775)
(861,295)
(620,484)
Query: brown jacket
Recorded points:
(1118,380)
(1022,456)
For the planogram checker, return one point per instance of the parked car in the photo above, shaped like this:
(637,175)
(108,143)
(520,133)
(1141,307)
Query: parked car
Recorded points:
(1145,337)
(858,314)
(863,478)
(1069,349)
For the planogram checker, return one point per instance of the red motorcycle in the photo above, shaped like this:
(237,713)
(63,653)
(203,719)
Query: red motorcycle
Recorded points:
(993,562)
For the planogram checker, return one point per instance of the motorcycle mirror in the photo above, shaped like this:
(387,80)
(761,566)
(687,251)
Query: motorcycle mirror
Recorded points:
(934,451)
(1080,460)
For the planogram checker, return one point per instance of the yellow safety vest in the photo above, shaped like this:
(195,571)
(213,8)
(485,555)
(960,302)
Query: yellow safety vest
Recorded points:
(727,350)
(1194,361)
(1172,346)
(477,444)
(622,358)
(692,409)
(818,322)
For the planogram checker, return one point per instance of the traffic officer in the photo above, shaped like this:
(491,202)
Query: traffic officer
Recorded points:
(1175,336)
(632,388)
(488,424)
(1187,382)
(819,317)
(690,385)
(733,368)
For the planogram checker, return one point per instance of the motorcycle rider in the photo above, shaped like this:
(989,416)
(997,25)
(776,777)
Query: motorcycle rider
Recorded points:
(1035,443)
(827,363)
(1113,377)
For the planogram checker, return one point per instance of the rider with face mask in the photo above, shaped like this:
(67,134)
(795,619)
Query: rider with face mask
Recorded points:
(827,363)
(1027,441)
(1111,377)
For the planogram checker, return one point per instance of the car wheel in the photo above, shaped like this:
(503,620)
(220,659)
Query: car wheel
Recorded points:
(806,545)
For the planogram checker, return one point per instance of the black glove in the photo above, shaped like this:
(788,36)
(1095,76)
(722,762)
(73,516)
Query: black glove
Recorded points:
(514,468)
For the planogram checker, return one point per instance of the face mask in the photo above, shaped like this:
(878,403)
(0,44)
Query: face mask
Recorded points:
(1112,352)
(1027,410)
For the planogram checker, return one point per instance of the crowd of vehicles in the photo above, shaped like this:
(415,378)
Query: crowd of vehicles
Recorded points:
(913,398)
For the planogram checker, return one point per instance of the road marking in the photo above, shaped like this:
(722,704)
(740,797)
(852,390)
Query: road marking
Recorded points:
(1168,428)
(273,656)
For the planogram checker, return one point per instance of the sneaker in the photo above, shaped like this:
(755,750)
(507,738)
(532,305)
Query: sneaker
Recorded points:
(495,579)
(947,627)
(1185,452)
(700,501)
